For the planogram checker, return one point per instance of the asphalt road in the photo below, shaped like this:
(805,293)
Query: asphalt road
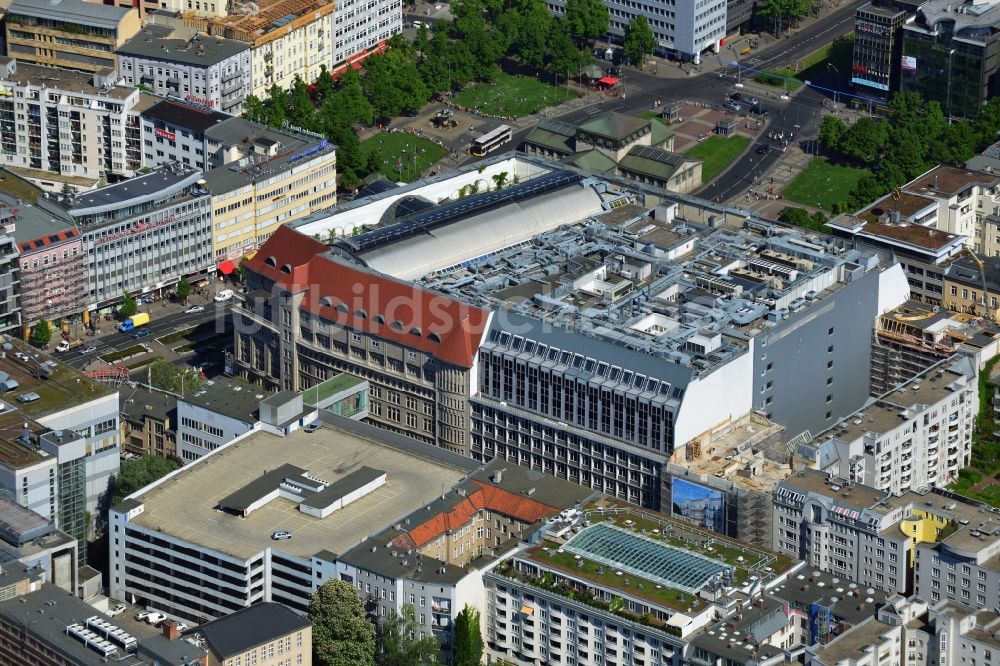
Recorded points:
(162,322)
(799,114)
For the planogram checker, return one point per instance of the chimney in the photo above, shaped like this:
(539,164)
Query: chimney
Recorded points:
(498,476)
(170,631)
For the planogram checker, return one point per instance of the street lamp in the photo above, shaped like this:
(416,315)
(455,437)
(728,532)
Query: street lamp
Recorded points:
(948,95)
(830,66)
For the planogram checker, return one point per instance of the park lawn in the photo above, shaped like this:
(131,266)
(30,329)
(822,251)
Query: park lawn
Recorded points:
(779,78)
(823,184)
(717,153)
(404,157)
(512,95)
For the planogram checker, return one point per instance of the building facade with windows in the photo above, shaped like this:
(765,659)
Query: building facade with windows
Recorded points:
(73,34)
(148,422)
(214,415)
(70,124)
(878,47)
(174,131)
(361,29)
(212,72)
(142,234)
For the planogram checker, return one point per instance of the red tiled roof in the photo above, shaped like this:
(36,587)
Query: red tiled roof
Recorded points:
(48,239)
(487,498)
(352,296)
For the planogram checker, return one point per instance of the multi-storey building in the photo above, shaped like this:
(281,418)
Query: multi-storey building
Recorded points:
(972,289)
(362,28)
(142,234)
(148,422)
(34,542)
(898,634)
(10,311)
(878,29)
(336,479)
(173,130)
(265,629)
(218,412)
(70,125)
(602,356)
(950,54)
(51,263)
(914,437)
(213,72)
(680,29)
(273,178)
(69,33)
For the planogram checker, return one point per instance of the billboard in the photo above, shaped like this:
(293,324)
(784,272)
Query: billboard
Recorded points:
(698,504)
(908,64)
(866,82)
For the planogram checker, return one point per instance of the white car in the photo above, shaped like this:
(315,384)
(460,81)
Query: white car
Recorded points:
(155,618)
(223,295)
(117,609)
(195,308)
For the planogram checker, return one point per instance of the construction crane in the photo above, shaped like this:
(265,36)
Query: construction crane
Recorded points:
(982,276)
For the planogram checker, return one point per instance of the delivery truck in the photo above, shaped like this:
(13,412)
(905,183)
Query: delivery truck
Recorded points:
(134,322)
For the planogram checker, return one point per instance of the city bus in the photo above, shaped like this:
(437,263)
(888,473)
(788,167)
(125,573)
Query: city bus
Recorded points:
(490,141)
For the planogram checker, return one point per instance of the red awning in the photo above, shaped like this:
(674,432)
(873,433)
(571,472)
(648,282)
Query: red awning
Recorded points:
(227,267)
(609,81)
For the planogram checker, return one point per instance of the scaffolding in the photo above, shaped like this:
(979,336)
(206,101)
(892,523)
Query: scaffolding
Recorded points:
(114,375)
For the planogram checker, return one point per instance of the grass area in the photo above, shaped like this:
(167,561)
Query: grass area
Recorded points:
(717,153)
(512,95)
(779,78)
(829,63)
(16,186)
(330,387)
(122,353)
(823,184)
(404,157)
(176,335)
(215,340)
(649,115)
(135,365)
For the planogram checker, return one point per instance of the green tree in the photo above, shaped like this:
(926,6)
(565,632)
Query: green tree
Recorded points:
(300,104)
(586,20)
(639,40)
(128,306)
(400,642)
(865,139)
(468,638)
(41,333)
(783,11)
(241,270)
(866,191)
(800,217)
(831,132)
(140,472)
(987,123)
(500,180)
(253,109)
(341,635)
(393,85)
(484,40)
(531,38)
(183,289)
(566,58)
(351,101)
(324,84)
(166,376)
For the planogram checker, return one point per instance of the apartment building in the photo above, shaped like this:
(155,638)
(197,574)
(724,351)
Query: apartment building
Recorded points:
(210,71)
(74,126)
(215,414)
(950,55)
(971,289)
(899,633)
(917,436)
(275,178)
(174,131)
(267,629)
(148,422)
(878,46)
(362,28)
(240,564)
(51,263)
(72,34)
(680,30)
(142,234)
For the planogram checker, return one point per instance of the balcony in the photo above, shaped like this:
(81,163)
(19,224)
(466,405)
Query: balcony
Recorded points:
(232,76)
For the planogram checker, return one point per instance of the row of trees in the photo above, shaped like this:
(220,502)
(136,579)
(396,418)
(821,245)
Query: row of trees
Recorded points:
(343,634)
(914,137)
(405,77)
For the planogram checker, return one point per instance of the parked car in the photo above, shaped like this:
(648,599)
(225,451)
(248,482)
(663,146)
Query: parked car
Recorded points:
(281,535)
(734,97)
(140,333)
(155,618)
(752,101)
(141,615)
(313,427)
(117,609)
(223,295)
(763,149)
(195,308)
(733,106)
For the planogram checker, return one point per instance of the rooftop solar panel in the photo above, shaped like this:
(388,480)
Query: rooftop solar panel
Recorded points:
(645,557)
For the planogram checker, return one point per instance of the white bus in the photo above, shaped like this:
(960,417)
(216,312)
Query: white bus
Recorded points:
(490,141)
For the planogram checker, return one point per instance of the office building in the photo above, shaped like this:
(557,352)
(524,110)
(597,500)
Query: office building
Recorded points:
(615,341)
(360,30)
(680,30)
(142,234)
(950,55)
(878,47)
(917,436)
(174,131)
(274,178)
(215,414)
(47,626)
(51,263)
(72,128)
(148,422)
(266,629)
(210,71)
(72,34)
(335,479)
(28,540)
